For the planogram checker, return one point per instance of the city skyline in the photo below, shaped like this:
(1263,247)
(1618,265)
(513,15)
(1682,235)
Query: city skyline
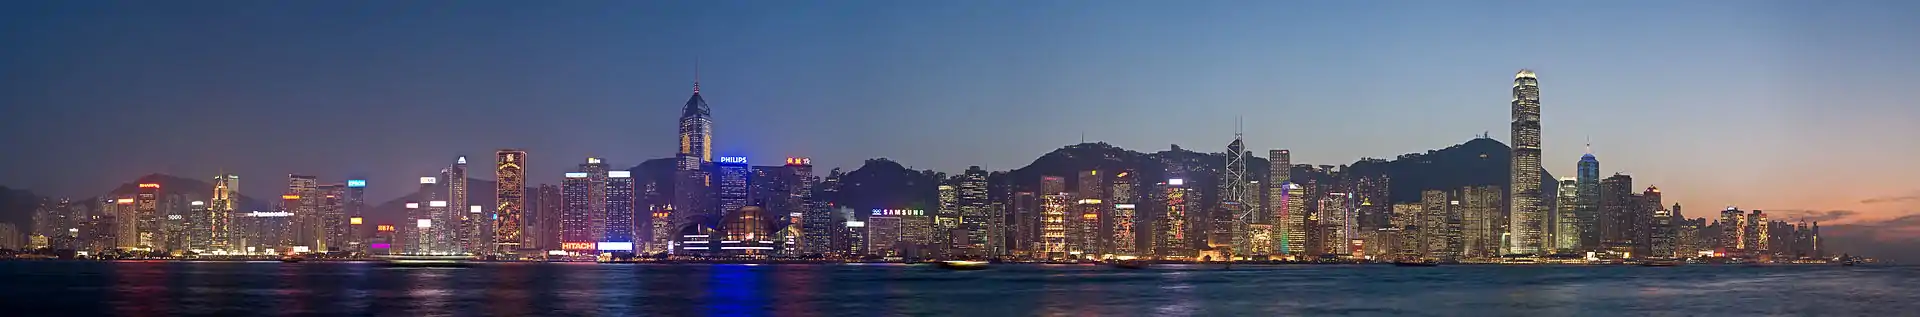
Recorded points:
(747,109)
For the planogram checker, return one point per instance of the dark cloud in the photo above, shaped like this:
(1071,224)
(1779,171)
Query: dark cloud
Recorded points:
(1890,199)
(1796,215)
(1895,239)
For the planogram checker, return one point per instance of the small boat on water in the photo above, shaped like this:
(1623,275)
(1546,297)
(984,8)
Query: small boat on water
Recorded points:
(290,259)
(1131,264)
(963,265)
(1660,263)
(1416,263)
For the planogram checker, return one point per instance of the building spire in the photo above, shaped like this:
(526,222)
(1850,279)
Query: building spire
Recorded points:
(696,75)
(1589,144)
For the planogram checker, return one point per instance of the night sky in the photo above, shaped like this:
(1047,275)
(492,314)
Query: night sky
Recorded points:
(1786,106)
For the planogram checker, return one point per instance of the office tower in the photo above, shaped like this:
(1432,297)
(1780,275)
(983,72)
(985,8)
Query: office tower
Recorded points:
(510,199)
(1055,203)
(333,215)
(1481,222)
(1757,234)
(1293,227)
(1567,229)
(423,218)
(576,220)
(1279,175)
(619,227)
(543,219)
(596,198)
(1662,235)
(974,204)
(1224,227)
(1648,205)
(146,209)
(1587,209)
(383,241)
(1337,223)
(819,229)
(1527,213)
(1618,219)
(464,228)
(1171,239)
(355,208)
(768,187)
(883,232)
(854,239)
(733,175)
(303,200)
(1819,247)
(696,132)
(220,211)
(1024,225)
(1123,233)
(945,219)
(1439,225)
(1409,219)
(1729,225)
(1371,192)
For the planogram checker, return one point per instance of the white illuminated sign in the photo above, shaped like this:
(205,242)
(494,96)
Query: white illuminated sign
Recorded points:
(413,205)
(198,203)
(576,175)
(437,203)
(593,160)
(423,223)
(269,214)
(856,224)
(461,160)
(615,246)
(1122,206)
(619,174)
(1176,182)
(473,209)
(428,180)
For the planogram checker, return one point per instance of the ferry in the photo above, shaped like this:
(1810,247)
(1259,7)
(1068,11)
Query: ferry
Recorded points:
(963,265)
(1660,262)
(1416,263)
(1131,264)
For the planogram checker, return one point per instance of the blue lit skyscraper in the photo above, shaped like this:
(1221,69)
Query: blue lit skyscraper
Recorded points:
(733,180)
(619,218)
(1587,208)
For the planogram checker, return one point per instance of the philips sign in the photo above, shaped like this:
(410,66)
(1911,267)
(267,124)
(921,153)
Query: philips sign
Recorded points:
(733,159)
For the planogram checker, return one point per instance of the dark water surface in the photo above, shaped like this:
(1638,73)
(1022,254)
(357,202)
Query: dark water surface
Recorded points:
(555,289)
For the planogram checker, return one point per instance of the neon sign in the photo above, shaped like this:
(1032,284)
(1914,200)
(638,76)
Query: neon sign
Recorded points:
(356,183)
(733,159)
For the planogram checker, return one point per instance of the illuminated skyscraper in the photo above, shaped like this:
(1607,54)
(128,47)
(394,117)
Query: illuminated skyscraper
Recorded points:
(696,132)
(576,220)
(974,210)
(333,216)
(415,237)
(1222,228)
(1588,207)
(1618,218)
(1527,213)
(466,227)
(1439,225)
(303,199)
(220,211)
(596,198)
(511,198)
(1123,234)
(356,208)
(146,211)
(1171,238)
(1480,222)
(1567,229)
(620,213)
(734,175)
(1293,229)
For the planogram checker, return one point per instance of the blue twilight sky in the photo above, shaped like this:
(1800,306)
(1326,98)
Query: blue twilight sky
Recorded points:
(1782,105)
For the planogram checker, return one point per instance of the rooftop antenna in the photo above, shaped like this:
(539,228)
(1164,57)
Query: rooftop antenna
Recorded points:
(1589,144)
(696,75)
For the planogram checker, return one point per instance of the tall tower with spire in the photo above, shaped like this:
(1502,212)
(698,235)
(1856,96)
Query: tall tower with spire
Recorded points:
(1587,203)
(1526,224)
(696,129)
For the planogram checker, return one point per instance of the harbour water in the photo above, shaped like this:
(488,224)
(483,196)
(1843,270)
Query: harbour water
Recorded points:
(50,288)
